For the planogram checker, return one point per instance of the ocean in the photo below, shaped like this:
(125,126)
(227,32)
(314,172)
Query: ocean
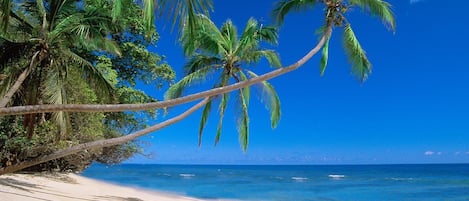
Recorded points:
(295,182)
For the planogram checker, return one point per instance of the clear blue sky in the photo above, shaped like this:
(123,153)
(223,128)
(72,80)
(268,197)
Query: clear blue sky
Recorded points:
(414,108)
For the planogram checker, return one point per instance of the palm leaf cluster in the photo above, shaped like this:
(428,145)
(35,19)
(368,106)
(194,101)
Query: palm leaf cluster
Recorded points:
(335,16)
(43,40)
(225,53)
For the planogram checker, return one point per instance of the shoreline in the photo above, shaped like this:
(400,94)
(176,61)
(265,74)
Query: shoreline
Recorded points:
(73,187)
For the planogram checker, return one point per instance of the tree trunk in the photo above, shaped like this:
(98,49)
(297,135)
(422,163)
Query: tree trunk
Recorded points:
(6,99)
(127,138)
(101,143)
(163,104)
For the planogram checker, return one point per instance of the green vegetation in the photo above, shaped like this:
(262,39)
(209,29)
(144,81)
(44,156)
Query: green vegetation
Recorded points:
(72,53)
(85,52)
(224,52)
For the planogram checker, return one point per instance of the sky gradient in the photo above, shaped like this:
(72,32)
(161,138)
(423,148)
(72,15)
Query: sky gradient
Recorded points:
(414,108)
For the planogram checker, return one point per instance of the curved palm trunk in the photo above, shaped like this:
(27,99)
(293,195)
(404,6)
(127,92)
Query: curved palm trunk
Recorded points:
(130,137)
(6,99)
(163,104)
(102,143)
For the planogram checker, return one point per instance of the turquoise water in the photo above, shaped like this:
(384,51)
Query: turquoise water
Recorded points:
(298,183)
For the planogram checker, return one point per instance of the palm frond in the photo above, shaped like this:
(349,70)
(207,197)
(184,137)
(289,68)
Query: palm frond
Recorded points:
(199,61)
(325,57)
(271,56)
(273,100)
(268,34)
(206,37)
(243,122)
(148,13)
(222,108)
(5,7)
(379,8)
(118,7)
(203,120)
(361,66)
(176,89)
(246,90)
(55,93)
(93,75)
(230,34)
(283,7)
(249,38)
(183,12)
(253,34)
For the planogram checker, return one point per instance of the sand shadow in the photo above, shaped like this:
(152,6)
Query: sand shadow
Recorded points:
(30,189)
(116,198)
(20,185)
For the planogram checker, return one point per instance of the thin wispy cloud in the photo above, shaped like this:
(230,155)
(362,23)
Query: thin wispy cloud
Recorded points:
(415,1)
(428,153)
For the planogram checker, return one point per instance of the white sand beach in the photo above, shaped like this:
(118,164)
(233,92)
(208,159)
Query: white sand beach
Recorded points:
(72,187)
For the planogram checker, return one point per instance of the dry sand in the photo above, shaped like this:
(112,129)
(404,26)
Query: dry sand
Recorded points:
(72,187)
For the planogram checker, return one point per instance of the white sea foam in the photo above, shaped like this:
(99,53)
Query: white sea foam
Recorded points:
(299,178)
(336,176)
(400,179)
(187,175)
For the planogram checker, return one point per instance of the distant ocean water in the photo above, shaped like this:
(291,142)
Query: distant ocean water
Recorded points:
(295,182)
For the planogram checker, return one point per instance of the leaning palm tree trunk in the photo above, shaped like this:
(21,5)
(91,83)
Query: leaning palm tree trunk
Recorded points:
(163,104)
(130,137)
(13,89)
(101,143)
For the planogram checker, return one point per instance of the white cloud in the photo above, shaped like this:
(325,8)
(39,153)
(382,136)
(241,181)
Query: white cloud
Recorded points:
(429,153)
(415,1)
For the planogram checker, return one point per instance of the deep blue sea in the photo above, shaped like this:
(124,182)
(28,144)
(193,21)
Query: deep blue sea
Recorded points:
(295,182)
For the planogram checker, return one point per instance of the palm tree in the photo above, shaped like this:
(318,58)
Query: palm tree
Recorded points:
(189,98)
(335,16)
(224,52)
(42,40)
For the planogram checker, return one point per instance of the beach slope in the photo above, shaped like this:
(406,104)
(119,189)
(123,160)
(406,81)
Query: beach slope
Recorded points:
(72,187)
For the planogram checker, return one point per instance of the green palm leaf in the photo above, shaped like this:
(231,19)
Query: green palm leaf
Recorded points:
(184,12)
(200,61)
(356,55)
(249,38)
(5,7)
(55,93)
(246,90)
(271,95)
(207,37)
(148,13)
(203,120)
(222,107)
(230,34)
(176,89)
(284,7)
(243,122)
(325,57)
(379,8)
(94,75)
(255,56)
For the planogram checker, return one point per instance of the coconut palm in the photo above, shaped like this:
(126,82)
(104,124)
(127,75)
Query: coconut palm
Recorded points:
(226,54)
(42,40)
(335,16)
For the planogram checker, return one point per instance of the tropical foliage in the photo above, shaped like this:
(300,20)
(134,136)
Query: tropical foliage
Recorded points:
(335,16)
(58,52)
(227,54)
(95,43)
